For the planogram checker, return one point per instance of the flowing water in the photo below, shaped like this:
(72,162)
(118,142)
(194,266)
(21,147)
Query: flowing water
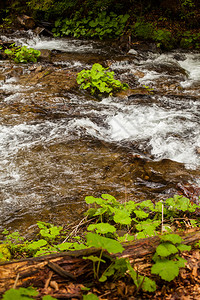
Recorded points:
(58,145)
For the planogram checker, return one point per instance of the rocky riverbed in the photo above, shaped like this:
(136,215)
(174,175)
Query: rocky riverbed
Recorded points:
(59,144)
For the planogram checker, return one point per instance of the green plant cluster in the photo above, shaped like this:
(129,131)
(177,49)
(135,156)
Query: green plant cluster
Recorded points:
(147,31)
(103,26)
(190,40)
(167,261)
(99,81)
(115,222)
(187,10)
(22,54)
(48,9)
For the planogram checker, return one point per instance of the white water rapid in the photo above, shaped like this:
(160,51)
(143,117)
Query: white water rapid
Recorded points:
(45,161)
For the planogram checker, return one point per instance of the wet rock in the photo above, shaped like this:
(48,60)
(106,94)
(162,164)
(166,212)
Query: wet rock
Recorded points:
(132,52)
(198,150)
(143,46)
(2,77)
(43,31)
(45,55)
(179,56)
(13,72)
(39,68)
(170,68)
(130,93)
(50,81)
(139,74)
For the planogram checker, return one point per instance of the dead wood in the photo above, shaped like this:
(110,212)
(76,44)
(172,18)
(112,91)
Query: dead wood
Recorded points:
(26,21)
(70,265)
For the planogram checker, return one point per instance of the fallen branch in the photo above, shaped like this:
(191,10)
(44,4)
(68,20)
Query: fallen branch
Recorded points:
(70,265)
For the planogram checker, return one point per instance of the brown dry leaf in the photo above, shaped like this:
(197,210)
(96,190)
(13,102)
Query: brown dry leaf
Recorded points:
(196,254)
(54,285)
(186,297)
(73,289)
(195,271)
(183,273)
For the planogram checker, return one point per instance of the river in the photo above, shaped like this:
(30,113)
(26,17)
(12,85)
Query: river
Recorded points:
(58,145)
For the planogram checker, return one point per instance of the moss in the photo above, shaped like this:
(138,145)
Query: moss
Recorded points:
(4,253)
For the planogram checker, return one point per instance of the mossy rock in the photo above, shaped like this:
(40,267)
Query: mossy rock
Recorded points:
(4,253)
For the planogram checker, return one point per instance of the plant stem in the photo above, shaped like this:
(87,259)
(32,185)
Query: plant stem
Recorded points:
(98,266)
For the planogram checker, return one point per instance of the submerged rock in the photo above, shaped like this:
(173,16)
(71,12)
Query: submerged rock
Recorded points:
(133,93)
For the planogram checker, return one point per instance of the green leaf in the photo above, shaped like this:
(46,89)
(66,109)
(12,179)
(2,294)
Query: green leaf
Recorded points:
(182,247)
(147,204)
(90,297)
(102,228)
(91,199)
(140,235)
(166,249)
(95,240)
(48,297)
(148,227)
(173,238)
(132,273)
(122,217)
(148,285)
(37,244)
(94,258)
(130,206)
(141,214)
(126,238)
(158,207)
(180,261)
(20,294)
(77,246)
(166,269)
(64,246)
(118,268)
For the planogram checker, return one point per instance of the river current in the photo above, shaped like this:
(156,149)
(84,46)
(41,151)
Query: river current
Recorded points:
(140,146)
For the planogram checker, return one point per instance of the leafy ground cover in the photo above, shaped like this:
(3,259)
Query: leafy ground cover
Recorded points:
(169,24)
(111,224)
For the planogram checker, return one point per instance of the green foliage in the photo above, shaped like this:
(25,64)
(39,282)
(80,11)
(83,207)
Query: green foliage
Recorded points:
(125,214)
(24,294)
(46,9)
(145,283)
(163,38)
(179,204)
(138,220)
(187,9)
(99,80)
(147,228)
(20,294)
(22,54)
(49,231)
(90,297)
(102,228)
(4,253)
(95,240)
(167,264)
(13,242)
(117,269)
(147,31)
(144,30)
(190,40)
(102,26)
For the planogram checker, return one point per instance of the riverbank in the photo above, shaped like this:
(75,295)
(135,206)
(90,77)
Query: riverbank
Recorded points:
(170,25)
